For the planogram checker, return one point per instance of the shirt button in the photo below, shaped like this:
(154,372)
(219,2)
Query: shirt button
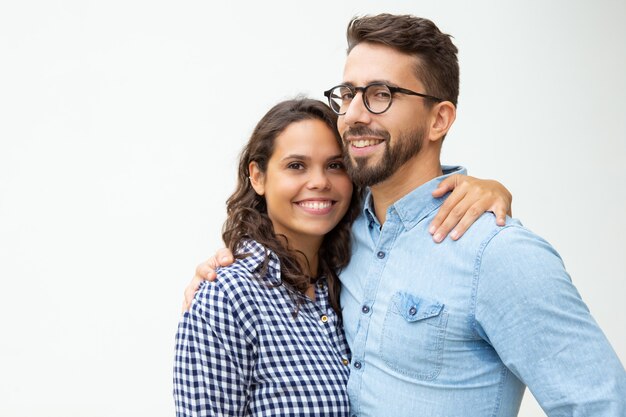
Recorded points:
(345,361)
(412,311)
(357,365)
(324,318)
(365,309)
(320,285)
(380,255)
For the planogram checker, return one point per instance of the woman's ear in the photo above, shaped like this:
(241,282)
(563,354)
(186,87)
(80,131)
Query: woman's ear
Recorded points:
(257,179)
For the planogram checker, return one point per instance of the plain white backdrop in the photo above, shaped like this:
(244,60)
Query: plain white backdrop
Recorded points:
(120,125)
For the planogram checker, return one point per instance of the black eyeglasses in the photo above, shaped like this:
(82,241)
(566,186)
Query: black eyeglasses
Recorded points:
(377,97)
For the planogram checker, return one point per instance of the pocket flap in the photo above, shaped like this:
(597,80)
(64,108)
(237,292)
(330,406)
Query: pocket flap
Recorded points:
(413,308)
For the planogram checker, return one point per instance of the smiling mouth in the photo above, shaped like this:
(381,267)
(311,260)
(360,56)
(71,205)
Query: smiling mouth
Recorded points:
(316,205)
(363,143)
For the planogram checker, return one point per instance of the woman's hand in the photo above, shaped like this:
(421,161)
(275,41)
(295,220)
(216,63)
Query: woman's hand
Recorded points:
(470,198)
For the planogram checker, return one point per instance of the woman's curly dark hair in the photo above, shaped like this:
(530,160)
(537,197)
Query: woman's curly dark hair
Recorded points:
(247,216)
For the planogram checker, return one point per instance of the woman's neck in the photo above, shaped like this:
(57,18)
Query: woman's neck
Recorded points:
(309,261)
(307,254)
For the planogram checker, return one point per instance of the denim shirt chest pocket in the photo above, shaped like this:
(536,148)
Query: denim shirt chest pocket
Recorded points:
(413,335)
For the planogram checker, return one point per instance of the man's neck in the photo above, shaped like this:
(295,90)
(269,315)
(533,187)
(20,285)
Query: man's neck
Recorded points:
(407,178)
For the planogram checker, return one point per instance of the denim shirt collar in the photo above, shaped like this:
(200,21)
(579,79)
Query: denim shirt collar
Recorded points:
(416,205)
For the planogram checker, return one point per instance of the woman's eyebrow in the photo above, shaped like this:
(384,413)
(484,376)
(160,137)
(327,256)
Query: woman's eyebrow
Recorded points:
(306,157)
(296,156)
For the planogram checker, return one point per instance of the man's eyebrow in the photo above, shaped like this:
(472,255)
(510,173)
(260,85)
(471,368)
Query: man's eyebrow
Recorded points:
(378,81)
(386,82)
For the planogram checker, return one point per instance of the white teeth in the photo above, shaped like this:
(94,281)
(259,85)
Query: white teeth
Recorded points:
(362,143)
(315,205)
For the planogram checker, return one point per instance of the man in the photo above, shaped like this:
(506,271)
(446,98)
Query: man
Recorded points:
(460,327)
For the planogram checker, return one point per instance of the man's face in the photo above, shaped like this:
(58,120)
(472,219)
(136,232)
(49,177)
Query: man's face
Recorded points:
(376,145)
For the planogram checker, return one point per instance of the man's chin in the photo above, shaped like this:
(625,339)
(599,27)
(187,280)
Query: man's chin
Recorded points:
(365,162)
(365,176)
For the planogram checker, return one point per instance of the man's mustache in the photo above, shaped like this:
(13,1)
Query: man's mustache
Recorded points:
(359,131)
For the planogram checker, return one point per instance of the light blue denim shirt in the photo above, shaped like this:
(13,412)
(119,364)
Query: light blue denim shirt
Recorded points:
(459,328)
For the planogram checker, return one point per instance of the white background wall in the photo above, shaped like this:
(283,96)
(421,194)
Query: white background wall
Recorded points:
(120,125)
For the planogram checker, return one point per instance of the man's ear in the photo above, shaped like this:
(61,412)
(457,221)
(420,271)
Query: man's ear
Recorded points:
(443,115)
(257,179)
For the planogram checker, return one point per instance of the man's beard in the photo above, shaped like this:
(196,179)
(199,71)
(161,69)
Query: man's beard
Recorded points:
(405,147)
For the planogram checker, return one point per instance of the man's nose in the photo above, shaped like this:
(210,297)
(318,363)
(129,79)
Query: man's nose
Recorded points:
(357,113)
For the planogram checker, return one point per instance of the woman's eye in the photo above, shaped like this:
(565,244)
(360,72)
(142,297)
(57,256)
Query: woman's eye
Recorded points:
(336,165)
(295,165)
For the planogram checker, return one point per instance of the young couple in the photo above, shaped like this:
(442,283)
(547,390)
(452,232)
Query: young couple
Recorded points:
(416,327)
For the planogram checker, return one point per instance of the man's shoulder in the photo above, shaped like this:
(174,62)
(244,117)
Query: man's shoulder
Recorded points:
(513,235)
(485,231)
(513,241)
(514,257)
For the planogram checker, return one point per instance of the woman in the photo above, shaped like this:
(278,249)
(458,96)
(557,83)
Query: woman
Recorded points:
(266,337)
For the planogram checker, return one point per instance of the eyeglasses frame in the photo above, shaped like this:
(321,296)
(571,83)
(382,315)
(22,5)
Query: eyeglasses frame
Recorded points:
(392,89)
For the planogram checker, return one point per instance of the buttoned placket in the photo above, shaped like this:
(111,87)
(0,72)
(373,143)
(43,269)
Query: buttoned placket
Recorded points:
(326,318)
(384,238)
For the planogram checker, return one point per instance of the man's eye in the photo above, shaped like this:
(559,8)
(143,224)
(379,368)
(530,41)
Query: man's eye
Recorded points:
(380,94)
(345,93)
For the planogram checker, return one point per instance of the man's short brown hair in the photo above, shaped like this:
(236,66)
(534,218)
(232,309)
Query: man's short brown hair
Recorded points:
(437,64)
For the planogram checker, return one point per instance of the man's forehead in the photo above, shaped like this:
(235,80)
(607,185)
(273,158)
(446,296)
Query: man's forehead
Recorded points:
(369,62)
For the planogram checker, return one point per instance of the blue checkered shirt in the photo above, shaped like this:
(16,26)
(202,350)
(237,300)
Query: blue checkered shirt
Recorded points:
(240,351)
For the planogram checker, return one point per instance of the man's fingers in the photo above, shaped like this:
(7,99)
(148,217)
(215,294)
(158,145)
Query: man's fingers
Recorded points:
(206,270)
(190,291)
(224,257)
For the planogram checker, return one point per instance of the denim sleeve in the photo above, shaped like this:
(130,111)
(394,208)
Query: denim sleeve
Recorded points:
(213,360)
(533,316)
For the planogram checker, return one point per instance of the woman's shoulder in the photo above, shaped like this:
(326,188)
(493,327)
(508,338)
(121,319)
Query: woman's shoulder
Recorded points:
(254,269)
(253,260)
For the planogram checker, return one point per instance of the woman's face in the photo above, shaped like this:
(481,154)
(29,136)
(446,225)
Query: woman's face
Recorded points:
(306,188)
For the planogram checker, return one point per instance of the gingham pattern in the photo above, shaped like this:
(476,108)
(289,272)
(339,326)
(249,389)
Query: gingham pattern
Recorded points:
(240,351)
